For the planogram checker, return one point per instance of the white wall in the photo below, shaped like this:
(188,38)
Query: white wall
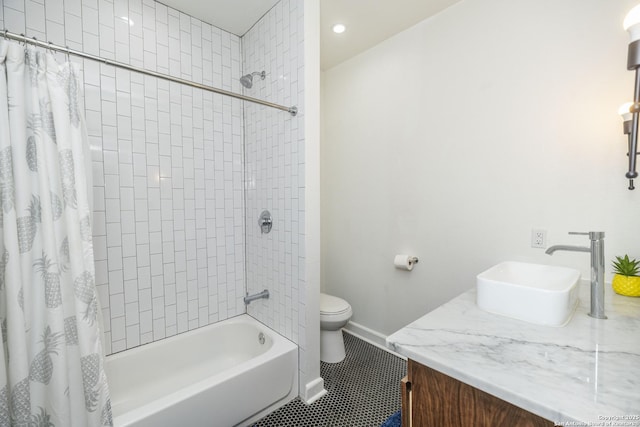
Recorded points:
(310,295)
(453,139)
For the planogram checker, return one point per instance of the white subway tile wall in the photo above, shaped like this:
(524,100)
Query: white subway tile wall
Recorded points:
(274,145)
(168,161)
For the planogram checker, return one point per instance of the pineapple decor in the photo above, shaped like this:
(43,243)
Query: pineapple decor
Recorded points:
(64,255)
(106,418)
(46,120)
(31,60)
(32,154)
(51,277)
(90,366)
(41,368)
(7,186)
(70,331)
(56,206)
(4,261)
(84,291)
(28,225)
(626,280)
(4,406)
(41,419)
(67,80)
(20,409)
(85,229)
(67,171)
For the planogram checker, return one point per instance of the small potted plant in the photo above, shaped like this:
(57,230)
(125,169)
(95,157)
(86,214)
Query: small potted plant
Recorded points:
(626,280)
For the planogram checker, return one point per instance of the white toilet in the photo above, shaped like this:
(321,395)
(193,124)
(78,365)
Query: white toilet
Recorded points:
(334,314)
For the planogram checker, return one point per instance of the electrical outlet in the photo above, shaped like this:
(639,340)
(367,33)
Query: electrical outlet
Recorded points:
(538,238)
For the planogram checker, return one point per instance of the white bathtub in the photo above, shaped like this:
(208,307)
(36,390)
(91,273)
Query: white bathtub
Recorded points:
(216,376)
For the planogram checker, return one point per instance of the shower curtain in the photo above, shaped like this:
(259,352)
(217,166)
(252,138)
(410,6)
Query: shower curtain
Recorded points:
(51,366)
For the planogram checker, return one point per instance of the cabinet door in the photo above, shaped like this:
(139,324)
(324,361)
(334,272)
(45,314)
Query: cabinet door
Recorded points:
(438,400)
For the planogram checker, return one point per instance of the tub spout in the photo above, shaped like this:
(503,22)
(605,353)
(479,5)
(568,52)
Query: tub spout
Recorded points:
(264,294)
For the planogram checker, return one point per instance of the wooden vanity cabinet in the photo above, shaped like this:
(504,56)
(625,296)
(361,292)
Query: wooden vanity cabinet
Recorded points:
(433,399)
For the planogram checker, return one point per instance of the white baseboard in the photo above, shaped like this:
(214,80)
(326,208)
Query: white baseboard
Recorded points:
(313,391)
(370,336)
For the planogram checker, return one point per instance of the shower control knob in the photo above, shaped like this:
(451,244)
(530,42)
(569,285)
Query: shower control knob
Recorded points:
(265,222)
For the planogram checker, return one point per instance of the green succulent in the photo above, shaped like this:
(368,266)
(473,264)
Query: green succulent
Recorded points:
(626,266)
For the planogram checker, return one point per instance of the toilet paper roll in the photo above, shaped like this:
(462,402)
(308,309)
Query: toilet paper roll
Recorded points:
(405,262)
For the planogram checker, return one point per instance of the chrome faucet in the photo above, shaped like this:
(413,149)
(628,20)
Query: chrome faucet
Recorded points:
(597,268)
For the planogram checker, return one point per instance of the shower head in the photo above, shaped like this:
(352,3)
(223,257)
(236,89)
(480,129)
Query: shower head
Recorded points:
(247,79)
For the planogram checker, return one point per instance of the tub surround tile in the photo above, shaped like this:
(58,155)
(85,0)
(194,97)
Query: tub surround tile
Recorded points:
(580,372)
(272,142)
(147,139)
(275,170)
(169,164)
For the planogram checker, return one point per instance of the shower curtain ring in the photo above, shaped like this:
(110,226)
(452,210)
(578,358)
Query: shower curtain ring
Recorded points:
(68,54)
(6,34)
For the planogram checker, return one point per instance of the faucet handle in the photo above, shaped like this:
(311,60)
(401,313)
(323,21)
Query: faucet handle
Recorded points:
(593,235)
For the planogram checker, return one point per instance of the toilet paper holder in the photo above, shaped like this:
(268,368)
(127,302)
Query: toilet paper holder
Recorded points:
(405,262)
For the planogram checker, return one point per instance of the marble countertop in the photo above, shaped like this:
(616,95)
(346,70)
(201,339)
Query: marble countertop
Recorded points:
(587,371)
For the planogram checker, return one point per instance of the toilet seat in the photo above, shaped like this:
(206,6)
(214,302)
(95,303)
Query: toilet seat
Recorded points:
(330,305)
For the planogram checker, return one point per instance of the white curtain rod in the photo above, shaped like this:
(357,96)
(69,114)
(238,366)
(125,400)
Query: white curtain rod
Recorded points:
(24,39)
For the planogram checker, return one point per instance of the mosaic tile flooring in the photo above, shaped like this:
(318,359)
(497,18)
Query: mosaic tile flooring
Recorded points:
(363,391)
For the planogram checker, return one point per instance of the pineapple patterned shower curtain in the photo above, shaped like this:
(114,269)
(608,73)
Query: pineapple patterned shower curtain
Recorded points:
(51,366)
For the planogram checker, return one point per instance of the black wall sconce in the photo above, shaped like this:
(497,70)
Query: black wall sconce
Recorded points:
(627,121)
(630,111)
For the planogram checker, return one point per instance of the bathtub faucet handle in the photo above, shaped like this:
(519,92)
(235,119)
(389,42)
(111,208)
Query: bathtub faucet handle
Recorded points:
(265,222)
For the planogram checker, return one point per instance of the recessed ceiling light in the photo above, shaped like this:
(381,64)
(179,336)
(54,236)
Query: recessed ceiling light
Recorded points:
(338,28)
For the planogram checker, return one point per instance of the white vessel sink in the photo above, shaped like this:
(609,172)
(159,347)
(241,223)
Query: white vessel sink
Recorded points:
(536,293)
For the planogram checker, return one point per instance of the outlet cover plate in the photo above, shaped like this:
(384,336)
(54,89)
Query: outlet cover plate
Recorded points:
(538,238)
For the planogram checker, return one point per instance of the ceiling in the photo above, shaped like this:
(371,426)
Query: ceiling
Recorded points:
(368,21)
(234,16)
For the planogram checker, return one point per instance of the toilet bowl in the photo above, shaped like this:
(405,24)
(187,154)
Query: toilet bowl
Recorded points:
(334,314)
